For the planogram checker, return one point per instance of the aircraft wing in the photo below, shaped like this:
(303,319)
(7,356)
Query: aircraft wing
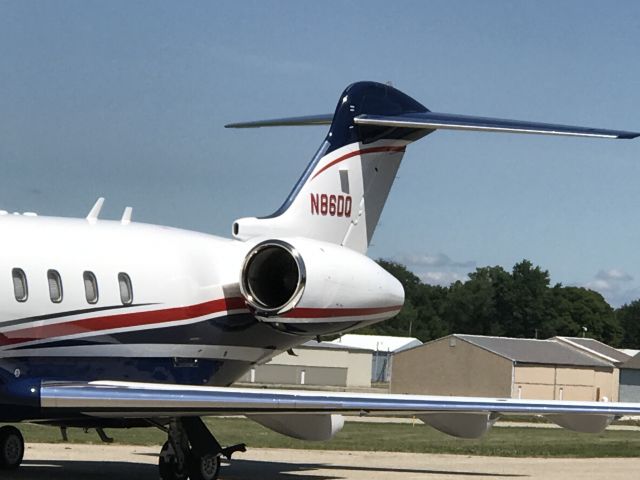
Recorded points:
(460,416)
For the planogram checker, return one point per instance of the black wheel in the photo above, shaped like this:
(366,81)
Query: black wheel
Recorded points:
(206,467)
(11,448)
(168,467)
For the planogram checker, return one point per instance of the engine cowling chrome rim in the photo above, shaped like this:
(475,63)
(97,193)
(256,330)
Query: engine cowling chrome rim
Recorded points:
(248,292)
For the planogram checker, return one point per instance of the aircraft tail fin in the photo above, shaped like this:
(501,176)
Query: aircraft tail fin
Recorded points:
(342,192)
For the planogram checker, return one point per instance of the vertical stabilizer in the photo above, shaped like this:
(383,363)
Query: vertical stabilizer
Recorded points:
(342,192)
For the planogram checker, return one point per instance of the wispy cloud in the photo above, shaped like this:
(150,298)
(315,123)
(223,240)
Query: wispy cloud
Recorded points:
(614,275)
(436,269)
(442,278)
(615,286)
(437,260)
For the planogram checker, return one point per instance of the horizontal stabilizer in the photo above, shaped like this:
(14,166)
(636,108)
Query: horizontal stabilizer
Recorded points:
(324,119)
(448,121)
(445,121)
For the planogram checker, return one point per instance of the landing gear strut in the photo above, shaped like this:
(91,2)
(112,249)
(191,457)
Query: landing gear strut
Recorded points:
(191,451)
(11,448)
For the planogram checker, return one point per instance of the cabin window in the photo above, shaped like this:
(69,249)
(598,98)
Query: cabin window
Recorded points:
(55,286)
(20,288)
(90,287)
(126,292)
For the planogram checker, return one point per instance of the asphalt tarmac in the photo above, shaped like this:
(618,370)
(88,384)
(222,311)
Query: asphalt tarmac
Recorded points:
(81,462)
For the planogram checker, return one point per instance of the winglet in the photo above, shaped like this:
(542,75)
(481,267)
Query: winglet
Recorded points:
(95,211)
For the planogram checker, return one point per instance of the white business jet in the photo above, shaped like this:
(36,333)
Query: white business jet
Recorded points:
(123,324)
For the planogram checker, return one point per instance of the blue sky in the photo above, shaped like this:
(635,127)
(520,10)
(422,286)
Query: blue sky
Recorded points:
(128,100)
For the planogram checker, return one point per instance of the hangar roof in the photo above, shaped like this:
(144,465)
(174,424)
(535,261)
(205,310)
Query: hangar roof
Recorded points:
(632,352)
(594,347)
(378,343)
(332,346)
(633,363)
(542,352)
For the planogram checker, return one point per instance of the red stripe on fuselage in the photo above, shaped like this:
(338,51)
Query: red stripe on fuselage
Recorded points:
(135,319)
(364,151)
(337,312)
(153,317)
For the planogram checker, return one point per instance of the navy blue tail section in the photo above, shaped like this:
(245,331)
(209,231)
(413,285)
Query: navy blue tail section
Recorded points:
(372,98)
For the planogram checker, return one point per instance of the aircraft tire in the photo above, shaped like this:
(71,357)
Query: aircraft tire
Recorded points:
(206,467)
(11,448)
(167,465)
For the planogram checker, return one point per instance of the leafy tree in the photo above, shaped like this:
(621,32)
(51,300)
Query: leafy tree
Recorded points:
(526,299)
(629,318)
(429,301)
(576,308)
(520,303)
(472,307)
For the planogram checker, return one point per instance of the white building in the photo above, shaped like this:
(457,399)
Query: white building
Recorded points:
(383,348)
(315,364)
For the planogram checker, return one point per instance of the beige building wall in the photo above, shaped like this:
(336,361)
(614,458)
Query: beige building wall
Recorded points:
(575,393)
(565,383)
(609,383)
(575,376)
(297,375)
(540,375)
(451,366)
(316,366)
(357,362)
(359,369)
(534,391)
(312,357)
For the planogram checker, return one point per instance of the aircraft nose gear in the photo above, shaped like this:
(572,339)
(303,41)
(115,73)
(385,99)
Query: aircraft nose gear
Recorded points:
(11,448)
(192,451)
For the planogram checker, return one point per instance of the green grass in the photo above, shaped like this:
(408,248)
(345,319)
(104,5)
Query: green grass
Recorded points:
(511,442)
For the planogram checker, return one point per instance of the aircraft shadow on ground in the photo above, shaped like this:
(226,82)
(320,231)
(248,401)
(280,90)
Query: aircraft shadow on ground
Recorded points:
(250,469)
(238,470)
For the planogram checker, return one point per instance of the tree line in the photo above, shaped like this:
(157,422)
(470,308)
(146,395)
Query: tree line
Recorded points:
(521,303)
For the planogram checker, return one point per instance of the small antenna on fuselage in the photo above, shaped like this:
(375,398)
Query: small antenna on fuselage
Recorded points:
(126,216)
(95,211)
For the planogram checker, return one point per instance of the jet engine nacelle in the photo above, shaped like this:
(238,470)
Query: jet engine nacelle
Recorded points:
(303,281)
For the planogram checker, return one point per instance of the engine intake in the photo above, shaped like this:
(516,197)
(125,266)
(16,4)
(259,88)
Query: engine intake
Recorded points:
(273,277)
